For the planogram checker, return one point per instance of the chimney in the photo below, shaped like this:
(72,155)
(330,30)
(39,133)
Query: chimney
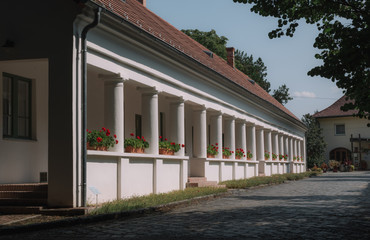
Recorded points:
(142,2)
(231,56)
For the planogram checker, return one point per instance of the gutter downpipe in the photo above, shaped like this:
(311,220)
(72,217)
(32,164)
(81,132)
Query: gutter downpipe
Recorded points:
(84,101)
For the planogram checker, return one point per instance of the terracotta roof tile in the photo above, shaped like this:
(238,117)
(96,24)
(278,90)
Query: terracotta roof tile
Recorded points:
(142,17)
(334,109)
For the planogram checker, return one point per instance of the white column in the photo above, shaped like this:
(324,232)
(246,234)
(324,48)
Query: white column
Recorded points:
(299,149)
(177,123)
(230,135)
(304,153)
(200,133)
(251,142)
(286,151)
(295,147)
(149,108)
(241,137)
(281,144)
(286,145)
(260,150)
(260,144)
(267,143)
(291,152)
(114,108)
(216,132)
(275,144)
(291,149)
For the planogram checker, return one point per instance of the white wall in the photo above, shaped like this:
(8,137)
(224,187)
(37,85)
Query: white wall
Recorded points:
(240,171)
(353,126)
(268,167)
(227,171)
(102,175)
(21,161)
(251,171)
(169,177)
(118,175)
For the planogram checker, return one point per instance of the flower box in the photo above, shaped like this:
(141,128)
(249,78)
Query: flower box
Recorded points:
(164,151)
(100,140)
(248,158)
(238,157)
(131,149)
(167,147)
(210,155)
(225,156)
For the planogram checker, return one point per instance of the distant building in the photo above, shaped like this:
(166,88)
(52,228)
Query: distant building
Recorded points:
(347,137)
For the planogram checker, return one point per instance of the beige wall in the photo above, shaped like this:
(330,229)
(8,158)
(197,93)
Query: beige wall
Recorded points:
(21,161)
(354,126)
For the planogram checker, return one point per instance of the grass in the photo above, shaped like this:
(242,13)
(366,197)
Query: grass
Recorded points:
(274,179)
(153,200)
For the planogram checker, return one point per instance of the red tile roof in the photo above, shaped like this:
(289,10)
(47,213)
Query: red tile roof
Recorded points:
(334,110)
(146,20)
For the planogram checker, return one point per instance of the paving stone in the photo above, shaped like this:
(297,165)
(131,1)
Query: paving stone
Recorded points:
(331,206)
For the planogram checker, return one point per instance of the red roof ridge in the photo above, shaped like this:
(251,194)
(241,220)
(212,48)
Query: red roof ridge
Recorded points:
(334,109)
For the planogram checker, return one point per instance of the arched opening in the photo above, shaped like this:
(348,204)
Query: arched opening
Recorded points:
(340,154)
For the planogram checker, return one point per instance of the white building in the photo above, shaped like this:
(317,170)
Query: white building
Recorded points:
(347,137)
(143,75)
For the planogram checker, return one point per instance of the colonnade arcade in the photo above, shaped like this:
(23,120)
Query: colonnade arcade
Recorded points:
(127,106)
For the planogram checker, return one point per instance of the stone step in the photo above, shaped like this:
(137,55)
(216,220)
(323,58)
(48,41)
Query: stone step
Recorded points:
(24,187)
(204,184)
(20,209)
(196,179)
(23,201)
(23,194)
(44,211)
(64,211)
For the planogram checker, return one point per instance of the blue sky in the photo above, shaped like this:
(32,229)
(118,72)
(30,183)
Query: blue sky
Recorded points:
(287,59)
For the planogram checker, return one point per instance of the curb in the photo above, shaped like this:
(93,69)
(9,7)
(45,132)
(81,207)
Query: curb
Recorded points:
(109,216)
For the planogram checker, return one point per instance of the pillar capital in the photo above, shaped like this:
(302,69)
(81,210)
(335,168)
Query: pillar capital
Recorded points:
(147,90)
(215,113)
(229,117)
(199,108)
(175,100)
(112,78)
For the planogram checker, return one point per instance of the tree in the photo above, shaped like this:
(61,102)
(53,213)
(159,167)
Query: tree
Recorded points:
(256,70)
(282,94)
(343,40)
(210,40)
(314,140)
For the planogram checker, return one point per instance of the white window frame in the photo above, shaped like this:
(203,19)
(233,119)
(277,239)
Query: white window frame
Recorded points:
(335,129)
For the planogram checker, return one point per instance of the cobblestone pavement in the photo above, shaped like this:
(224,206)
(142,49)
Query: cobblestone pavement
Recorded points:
(331,206)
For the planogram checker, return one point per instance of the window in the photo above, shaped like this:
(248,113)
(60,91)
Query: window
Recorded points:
(16,106)
(138,125)
(161,124)
(340,129)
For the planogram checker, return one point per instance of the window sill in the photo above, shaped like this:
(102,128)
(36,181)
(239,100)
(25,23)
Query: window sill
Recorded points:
(15,139)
